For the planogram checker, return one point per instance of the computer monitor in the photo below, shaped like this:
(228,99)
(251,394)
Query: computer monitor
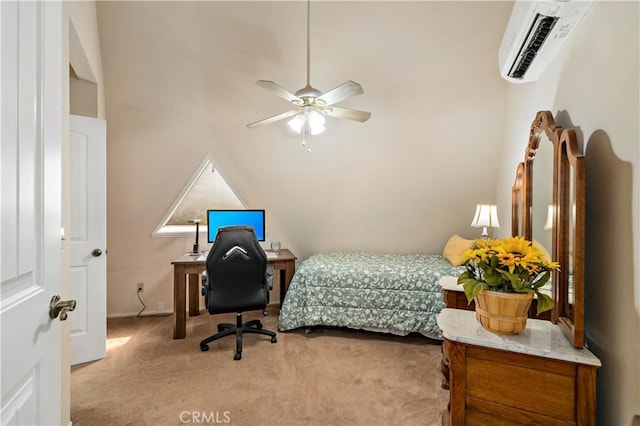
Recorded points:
(219,218)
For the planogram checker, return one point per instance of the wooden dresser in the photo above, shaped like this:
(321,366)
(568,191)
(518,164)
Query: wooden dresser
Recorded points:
(535,378)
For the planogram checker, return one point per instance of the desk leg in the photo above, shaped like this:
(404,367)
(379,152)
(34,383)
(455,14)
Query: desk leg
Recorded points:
(286,276)
(179,303)
(194,295)
(282,290)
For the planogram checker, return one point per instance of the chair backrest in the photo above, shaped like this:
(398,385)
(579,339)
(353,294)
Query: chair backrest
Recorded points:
(236,272)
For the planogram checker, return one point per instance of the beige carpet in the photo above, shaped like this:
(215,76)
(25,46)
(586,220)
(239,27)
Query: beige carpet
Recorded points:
(329,377)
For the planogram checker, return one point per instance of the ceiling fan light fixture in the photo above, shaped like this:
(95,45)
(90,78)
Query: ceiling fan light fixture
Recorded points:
(296,123)
(314,118)
(311,105)
(316,122)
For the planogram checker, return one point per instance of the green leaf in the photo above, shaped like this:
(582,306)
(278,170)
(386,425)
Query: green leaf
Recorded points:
(514,279)
(542,280)
(472,288)
(544,302)
(493,277)
(471,271)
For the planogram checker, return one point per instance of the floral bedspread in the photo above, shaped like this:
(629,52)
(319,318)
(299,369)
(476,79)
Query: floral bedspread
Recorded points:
(397,293)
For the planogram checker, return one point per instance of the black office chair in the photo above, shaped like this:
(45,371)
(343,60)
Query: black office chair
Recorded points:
(236,280)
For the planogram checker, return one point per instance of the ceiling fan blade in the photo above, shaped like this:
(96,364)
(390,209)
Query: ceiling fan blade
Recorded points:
(273,119)
(344,91)
(277,90)
(351,114)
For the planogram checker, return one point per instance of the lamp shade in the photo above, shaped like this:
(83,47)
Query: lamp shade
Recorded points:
(486,215)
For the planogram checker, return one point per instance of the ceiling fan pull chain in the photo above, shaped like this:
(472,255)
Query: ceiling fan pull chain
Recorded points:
(306,133)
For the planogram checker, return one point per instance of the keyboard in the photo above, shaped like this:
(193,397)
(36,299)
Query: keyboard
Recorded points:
(271,255)
(203,256)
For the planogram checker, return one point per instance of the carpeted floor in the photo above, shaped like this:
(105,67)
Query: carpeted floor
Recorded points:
(329,377)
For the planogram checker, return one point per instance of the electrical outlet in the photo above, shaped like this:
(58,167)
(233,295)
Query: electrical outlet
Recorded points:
(140,287)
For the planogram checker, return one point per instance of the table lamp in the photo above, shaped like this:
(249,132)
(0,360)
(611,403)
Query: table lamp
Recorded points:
(486,217)
(196,245)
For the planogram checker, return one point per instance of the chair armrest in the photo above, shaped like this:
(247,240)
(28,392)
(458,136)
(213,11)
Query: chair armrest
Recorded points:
(269,278)
(205,283)
(269,281)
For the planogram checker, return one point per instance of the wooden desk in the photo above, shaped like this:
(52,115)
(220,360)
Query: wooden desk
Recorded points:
(188,268)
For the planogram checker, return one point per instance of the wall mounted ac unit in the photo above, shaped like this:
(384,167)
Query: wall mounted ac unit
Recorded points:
(534,34)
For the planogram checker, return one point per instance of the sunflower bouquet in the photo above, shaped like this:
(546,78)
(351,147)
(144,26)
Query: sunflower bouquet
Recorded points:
(511,265)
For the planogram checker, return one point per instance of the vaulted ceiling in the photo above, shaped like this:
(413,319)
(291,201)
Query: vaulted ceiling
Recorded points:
(179,81)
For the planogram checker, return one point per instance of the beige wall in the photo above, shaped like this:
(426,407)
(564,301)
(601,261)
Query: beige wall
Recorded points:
(84,49)
(405,181)
(594,86)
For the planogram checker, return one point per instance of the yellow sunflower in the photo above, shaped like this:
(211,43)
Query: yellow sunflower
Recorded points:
(517,245)
(511,264)
(507,259)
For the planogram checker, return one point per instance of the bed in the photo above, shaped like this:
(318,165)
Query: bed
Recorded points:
(396,293)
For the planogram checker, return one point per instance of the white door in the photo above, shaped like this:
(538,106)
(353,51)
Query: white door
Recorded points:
(88,172)
(31,114)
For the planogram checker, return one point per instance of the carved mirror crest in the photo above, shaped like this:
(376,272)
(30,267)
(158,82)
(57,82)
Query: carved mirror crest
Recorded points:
(543,136)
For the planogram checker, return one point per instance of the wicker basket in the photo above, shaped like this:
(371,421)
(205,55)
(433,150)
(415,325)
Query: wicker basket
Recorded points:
(503,313)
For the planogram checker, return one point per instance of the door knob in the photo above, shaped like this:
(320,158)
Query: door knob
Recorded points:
(60,307)
(96,252)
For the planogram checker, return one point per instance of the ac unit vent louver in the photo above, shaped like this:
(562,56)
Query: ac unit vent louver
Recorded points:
(538,34)
(535,33)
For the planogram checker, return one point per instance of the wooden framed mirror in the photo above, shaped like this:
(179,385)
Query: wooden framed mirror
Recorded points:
(517,199)
(571,219)
(540,167)
(552,215)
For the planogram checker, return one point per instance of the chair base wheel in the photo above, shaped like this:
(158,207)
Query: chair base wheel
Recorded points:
(237,330)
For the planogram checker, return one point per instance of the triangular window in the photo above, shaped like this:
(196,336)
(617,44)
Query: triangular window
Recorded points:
(207,189)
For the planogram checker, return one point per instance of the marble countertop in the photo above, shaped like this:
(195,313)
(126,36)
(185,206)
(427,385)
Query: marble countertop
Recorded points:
(450,284)
(540,338)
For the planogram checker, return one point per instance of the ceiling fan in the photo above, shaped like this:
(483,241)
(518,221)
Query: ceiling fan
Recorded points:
(310,104)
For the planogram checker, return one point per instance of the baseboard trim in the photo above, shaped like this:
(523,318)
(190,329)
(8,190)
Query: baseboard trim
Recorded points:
(143,314)
(162,312)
